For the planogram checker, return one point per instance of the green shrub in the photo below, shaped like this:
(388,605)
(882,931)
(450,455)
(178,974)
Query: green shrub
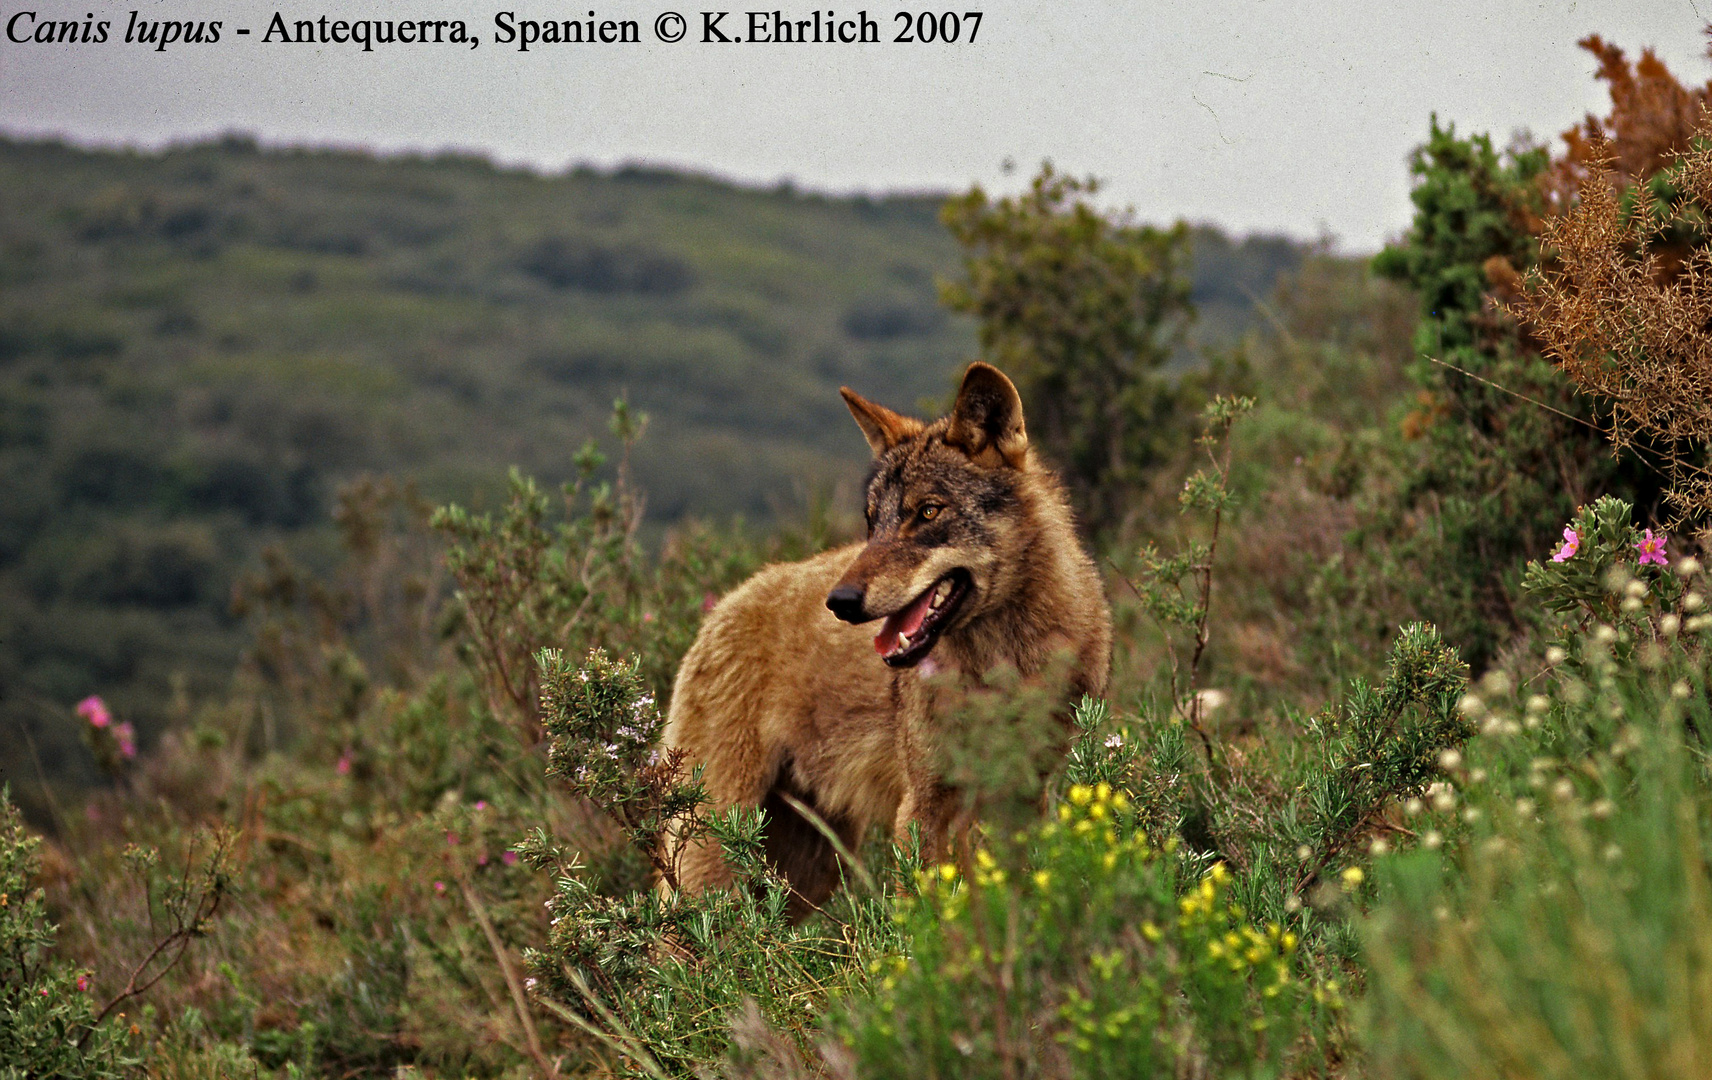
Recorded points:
(657,978)
(1085,952)
(48,1021)
(1551,917)
(1494,471)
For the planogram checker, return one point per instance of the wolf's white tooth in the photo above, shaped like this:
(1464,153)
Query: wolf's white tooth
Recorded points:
(903,641)
(940,595)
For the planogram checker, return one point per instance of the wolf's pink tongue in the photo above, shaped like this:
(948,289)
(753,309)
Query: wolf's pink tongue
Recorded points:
(904,621)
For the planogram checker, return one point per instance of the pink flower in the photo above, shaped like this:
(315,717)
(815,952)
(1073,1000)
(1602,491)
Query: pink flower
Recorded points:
(1571,544)
(481,804)
(127,736)
(647,616)
(481,860)
(707,601)
(439,886)
(509,858)
(451,838)
(83,983)
(1652,548)
(94,710)
(343,768)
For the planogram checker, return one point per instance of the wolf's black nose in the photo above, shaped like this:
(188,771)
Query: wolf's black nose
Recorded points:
(845,601)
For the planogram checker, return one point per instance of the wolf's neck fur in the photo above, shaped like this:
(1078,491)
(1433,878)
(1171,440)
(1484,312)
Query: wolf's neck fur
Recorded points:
(1037,616)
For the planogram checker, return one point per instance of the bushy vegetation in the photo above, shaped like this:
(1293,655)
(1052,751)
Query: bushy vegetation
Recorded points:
(1401,772)
(199,348)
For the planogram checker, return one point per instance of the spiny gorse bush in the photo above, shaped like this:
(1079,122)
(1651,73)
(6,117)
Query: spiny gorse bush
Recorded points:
(1081,950)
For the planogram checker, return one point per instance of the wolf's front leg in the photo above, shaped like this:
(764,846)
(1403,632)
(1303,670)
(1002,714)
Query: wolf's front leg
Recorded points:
(940,813)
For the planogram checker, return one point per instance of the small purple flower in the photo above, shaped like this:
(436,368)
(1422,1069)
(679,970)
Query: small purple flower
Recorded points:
(127,736)
(1571,544)
(94,710)
(1652,548)
(440,886)
(83,983)
(509,858)
(481,804)
(343,768)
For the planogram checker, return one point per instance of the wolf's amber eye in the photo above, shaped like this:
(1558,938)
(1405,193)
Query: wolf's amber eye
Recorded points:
(929,512)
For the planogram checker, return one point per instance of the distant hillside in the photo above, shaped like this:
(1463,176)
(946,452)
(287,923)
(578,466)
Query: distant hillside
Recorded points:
(197,346)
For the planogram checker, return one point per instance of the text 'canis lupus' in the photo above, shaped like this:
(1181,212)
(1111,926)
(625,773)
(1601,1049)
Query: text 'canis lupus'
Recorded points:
(971,563)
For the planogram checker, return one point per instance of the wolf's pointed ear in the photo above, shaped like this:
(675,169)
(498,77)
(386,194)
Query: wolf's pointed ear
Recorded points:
(883,427)
(986,422)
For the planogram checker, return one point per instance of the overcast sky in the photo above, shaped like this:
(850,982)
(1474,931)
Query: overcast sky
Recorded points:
(1261,116)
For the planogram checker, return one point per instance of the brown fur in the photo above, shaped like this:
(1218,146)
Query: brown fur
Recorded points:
(779,696)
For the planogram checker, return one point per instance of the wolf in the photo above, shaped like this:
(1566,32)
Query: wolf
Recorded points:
(785,698)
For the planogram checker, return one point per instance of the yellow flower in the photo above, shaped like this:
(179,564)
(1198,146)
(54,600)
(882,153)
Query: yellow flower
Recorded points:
(948,872)
(1042,879)
(1352,877)
(1150,931)
(1080,794)
(1218,873)
(1102,791)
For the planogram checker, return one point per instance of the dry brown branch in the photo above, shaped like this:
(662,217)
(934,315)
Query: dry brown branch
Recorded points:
(525,1018)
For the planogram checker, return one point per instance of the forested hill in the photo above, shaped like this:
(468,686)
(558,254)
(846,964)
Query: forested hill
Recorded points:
(196,346)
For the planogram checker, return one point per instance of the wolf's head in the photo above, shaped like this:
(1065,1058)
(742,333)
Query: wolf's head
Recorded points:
(950,509)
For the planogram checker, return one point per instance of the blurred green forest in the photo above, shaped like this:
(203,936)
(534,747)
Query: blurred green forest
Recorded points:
(197,347)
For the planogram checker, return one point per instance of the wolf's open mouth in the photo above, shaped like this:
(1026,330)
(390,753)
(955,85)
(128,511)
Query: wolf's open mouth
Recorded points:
(909,634)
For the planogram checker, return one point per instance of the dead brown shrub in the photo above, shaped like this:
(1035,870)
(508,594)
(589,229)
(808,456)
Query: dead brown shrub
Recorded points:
(1630,321)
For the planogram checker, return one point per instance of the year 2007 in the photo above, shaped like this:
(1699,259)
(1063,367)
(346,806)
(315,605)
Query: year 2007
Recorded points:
(946,27)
